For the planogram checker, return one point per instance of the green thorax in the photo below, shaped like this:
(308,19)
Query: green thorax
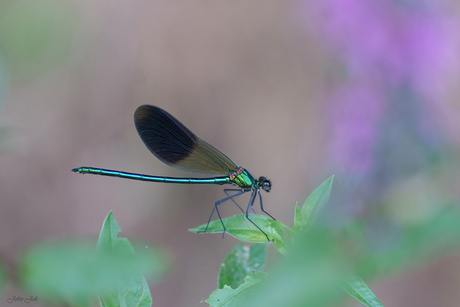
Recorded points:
(243,179)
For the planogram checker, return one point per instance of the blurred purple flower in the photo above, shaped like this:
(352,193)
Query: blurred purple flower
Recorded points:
(387,39)
(393,53)
(394,61)
(356,111)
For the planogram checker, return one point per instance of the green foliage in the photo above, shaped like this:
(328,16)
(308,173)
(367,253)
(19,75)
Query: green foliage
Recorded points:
(227,296)
(311,273)
(73,271)
(242,229)
(357,288)
(240,262)
(319,198)
(65,270)
(131,289)
(279,234)
(415,243)
(319,266)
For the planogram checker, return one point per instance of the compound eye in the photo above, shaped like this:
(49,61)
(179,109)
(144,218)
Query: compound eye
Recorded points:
(266,184)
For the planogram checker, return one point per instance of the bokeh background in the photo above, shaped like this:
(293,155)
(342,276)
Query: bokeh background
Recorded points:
(295,91)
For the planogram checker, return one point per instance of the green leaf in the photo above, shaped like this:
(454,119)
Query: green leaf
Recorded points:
(228,297)
(317,199)
(71,271)
(418,242)
(241,228)
(298,218)
(309,275)
(240,262)
(357,288)
(131,290)
(63,271)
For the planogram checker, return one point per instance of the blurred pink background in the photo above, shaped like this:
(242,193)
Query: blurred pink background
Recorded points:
(249,78)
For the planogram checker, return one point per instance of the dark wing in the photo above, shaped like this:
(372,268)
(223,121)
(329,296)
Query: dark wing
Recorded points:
(174,144)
